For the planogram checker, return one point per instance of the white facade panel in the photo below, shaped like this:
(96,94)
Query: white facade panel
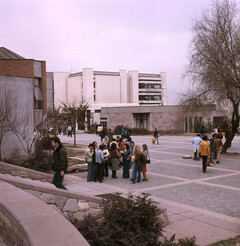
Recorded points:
(74,85)
(60,88)
(107,89)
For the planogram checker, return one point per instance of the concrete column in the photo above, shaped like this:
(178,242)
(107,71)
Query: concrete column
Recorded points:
(123,86)
(164,88)
(87,90)
(133,86)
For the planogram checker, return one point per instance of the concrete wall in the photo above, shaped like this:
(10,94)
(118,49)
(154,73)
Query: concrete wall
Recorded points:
(50,91)
(107,89)
(20,96)
(60,88)
(74,85)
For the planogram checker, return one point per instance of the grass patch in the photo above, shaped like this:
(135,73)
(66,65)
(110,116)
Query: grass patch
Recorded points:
(229,242)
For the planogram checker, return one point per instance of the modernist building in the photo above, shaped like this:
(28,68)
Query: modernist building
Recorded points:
(23,86)
(110,89)
(166,118)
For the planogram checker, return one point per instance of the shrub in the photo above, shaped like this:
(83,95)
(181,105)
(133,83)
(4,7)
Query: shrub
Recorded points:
(125,221)
(140,131)
(117,130)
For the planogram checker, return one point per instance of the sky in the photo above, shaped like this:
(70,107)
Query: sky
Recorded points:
(150,36)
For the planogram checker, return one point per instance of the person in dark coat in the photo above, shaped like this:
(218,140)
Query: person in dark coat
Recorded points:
(60,162)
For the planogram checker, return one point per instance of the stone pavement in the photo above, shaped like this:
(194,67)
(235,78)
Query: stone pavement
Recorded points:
(202,204)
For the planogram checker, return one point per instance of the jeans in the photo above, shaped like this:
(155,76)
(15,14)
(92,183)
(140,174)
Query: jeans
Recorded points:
(90,172)
(204,160)
(212,153)
(137,170)
(57,180)
(125,169)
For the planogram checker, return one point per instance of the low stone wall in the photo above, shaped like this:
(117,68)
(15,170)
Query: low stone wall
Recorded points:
(72,206)
(6,168)
(26,220)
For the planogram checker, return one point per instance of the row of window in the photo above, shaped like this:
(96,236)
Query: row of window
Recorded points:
(149,86)
(149,97)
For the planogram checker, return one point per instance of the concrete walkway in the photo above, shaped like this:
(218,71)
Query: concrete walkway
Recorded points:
(202,204)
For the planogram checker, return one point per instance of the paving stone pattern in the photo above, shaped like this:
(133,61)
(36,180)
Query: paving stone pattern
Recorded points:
(173,178)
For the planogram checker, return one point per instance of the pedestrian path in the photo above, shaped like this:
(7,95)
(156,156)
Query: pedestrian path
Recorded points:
(202,204)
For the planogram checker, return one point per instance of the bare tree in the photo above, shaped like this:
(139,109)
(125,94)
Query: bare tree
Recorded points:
(54,118)
(214,62)
(23,128)
(7,115)
(75,111)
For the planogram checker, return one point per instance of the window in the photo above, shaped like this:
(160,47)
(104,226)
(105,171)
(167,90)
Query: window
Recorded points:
(149,97)
(149,86)
(38,98)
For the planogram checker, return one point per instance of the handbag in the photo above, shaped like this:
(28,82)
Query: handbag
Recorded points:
(148,159)
(210,163)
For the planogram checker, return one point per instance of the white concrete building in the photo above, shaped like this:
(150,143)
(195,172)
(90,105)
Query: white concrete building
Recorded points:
(110,89)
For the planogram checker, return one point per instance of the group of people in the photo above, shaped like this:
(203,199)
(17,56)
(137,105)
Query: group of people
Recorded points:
(116,153)
(209,147)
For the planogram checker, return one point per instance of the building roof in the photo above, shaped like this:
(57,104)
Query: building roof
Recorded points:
(6,54)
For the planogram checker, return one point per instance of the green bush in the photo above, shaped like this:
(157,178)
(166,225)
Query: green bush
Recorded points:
(125,221)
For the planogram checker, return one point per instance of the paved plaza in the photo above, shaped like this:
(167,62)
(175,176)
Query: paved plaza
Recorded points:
(202,204)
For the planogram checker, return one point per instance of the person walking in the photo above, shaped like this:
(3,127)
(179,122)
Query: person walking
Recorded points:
(156,135)
(204,152)
(60,162)
(88,159)
(114,159)
(138,162)
(218,147)
(144,166)
(196,141)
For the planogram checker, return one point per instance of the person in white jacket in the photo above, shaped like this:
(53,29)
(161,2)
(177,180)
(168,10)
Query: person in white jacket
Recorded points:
(196,142)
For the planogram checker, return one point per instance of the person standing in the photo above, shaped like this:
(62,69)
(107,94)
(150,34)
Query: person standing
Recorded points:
(88,159)
(196,141)
(144,166)
(204,151)
(126,160)
(69,129)
(99,161)
(218,147)
(212,149)
(106,159)
(114,159)
(122,132)
(60,162)
(156,135)
(138,163)
(228,134)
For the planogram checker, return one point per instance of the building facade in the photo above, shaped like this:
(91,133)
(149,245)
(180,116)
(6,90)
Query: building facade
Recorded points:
(166,118)
(22,101)
(110,89)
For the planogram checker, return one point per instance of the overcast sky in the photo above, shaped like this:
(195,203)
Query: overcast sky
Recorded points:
(150,36)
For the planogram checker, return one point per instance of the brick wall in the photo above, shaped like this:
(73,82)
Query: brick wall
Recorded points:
(17,68)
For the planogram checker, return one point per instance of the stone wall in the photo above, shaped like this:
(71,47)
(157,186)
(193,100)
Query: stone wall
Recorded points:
(23,172)
(70,207)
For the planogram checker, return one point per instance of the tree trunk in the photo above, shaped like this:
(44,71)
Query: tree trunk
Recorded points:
(235,125)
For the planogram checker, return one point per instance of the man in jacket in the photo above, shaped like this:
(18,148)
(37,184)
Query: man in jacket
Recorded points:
(60,162)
